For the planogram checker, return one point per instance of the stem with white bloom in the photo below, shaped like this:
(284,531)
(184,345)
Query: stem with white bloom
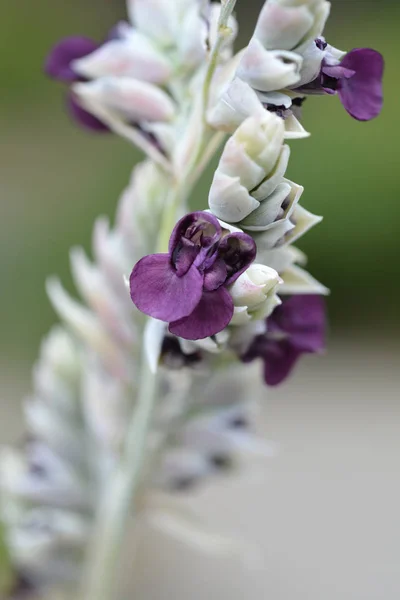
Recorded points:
(119,504)
(119,498)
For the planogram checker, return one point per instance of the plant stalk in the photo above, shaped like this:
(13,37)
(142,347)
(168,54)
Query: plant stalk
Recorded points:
(119,499)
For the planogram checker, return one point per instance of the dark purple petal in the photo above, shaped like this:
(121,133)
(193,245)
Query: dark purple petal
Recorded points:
(279,362)
(279,357)
(303,320)
(212,314)
(237,250)
(337,71)
(201,228)
(184,255)
(215,276)
(295,327)
(83,117)
(58,62)
(157,290)
(362,94)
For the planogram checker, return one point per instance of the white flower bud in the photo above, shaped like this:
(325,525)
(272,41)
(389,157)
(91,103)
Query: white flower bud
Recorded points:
(270,183)
(262,138)
(155,18)
(286,23)
(312,59)
(275,214)
(270,210)
(132,56)
(237,102)
(250,156)
(192,37)
(135,100)
(268,70)
(229,200)
(282,27)
(253,287)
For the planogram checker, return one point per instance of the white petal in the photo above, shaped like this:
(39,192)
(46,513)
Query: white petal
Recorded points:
(271,183)
(133,56)
(304,221)
(153,338)
(269,210)
(229,200)
(294,130)
(235,161)
(312,59)
(268,71)
(235,104)
(299,281)
(282,27)
(135,100)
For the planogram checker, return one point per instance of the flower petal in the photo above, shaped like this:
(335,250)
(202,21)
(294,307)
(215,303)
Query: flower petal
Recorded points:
(279,362)
(200,227)
(362,95)
(303,318)
(212,314)
(58,62)
(215,276)
(279,357)
(83,117)
(157,291)
(237,250)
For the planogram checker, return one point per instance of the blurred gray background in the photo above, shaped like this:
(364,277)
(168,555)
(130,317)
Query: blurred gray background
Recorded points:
(324,512)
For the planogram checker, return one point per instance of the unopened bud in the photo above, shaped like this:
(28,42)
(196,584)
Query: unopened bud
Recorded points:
(135,100)
(132,56)
(254,286)
(267,70)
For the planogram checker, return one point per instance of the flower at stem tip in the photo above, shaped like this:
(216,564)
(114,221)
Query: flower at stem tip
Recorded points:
(187,287)
(356,79)
(296,327)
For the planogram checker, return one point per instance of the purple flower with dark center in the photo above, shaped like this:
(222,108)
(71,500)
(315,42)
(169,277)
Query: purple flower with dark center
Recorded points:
(296,327)
(59,66)
(187,286)
(357,79)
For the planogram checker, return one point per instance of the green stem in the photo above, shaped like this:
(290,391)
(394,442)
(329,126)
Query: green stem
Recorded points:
(119,500)
(224,31)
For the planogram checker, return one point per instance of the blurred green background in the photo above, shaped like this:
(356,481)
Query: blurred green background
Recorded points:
(56,178)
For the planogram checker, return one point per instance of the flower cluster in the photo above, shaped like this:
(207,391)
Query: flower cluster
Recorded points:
(229,289)
(288,59)
(187,286)
(141,78)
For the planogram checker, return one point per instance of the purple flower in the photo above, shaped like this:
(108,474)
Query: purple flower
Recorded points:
(187,287)
(294,328)
(357,79)
(58,66)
